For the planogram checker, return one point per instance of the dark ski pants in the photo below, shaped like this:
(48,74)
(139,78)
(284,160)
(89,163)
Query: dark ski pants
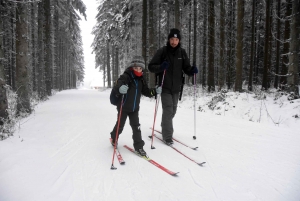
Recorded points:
(135,125)
(169,108)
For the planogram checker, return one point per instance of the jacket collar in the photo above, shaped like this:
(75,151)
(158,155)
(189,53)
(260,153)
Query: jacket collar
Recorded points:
(171,49)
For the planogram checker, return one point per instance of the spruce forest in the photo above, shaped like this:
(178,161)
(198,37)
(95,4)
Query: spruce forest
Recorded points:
(241,45)
(40,52)
(237,45)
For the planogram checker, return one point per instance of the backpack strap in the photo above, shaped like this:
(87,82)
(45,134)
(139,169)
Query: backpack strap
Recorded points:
(182,74)
(164,54)
(163,57)
(129,77)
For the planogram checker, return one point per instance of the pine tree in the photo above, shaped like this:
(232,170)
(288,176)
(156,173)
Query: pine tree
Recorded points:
(293,80)
(239,45)
(22,77)
(211,44)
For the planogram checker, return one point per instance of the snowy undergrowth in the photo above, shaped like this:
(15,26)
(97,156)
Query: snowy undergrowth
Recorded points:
(9,124)
(274,107)
(13,122)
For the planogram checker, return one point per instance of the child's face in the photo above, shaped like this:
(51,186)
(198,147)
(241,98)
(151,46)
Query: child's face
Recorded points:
(138,69)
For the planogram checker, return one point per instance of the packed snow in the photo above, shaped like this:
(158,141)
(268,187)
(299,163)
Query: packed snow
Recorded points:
(62,151)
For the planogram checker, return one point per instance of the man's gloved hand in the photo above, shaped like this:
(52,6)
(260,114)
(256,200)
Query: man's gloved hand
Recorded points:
(158,90)
(164,65)
(123,89)
(194,70)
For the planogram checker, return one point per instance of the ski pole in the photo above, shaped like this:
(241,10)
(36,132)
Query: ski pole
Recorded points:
(194,137)
(155,111)
(117,133)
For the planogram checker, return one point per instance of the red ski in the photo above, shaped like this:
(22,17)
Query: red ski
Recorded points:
(194,148)
(153,162)
(201,163)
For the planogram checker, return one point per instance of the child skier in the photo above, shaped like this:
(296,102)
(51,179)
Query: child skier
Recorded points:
(131,85)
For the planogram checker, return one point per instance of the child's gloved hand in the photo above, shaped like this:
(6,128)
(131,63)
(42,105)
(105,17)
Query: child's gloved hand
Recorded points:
(158,90)
(123,89)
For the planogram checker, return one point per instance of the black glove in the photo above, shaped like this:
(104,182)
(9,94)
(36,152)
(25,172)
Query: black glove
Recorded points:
(164,65)
(194,70)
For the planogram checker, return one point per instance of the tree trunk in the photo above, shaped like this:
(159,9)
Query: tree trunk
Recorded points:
(194,37)
(151,41)
(104,69)
(59,66)
(190,31)
(10,44)
(30,50)
(144,31)
(3,102)
(265,81)
(159,25)
(277,44)
(56,53)
(211,36)
(285,59)
(41,54)
(239,46)
(113,62)
(62,62)
(221,77)
(34,33)
(117,63)
(270,61)
(229,44)
(48,47)
(258,49)
(2,72)
(67,63)
(3,98)
(293,80)
(108,65)
(13,48)
(177,15)
(252,56)
(195,34)
(22,80)
(204,42)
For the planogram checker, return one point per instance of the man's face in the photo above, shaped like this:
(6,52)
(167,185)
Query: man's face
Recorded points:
(174,42)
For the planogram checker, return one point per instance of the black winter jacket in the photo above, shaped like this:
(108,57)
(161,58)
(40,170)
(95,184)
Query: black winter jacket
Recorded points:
(178,64)
(137,87)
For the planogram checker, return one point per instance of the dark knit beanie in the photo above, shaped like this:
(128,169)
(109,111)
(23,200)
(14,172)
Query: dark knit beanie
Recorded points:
(174,33)
(137,61)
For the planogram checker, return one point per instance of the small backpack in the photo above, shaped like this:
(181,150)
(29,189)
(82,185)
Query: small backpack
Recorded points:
(114,97)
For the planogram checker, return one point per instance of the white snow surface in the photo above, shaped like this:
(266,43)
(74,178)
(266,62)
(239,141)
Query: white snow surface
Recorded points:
(62,152)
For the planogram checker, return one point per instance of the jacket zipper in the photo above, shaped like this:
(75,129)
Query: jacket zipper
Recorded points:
(136,88)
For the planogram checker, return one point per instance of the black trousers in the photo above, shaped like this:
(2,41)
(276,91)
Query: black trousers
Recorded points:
(135,125)
(169,108)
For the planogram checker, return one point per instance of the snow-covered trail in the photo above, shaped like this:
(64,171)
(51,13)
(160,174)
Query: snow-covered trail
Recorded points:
(62,152)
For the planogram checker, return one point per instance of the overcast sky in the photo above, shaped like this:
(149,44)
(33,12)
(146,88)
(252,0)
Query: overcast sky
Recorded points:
(92,75)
